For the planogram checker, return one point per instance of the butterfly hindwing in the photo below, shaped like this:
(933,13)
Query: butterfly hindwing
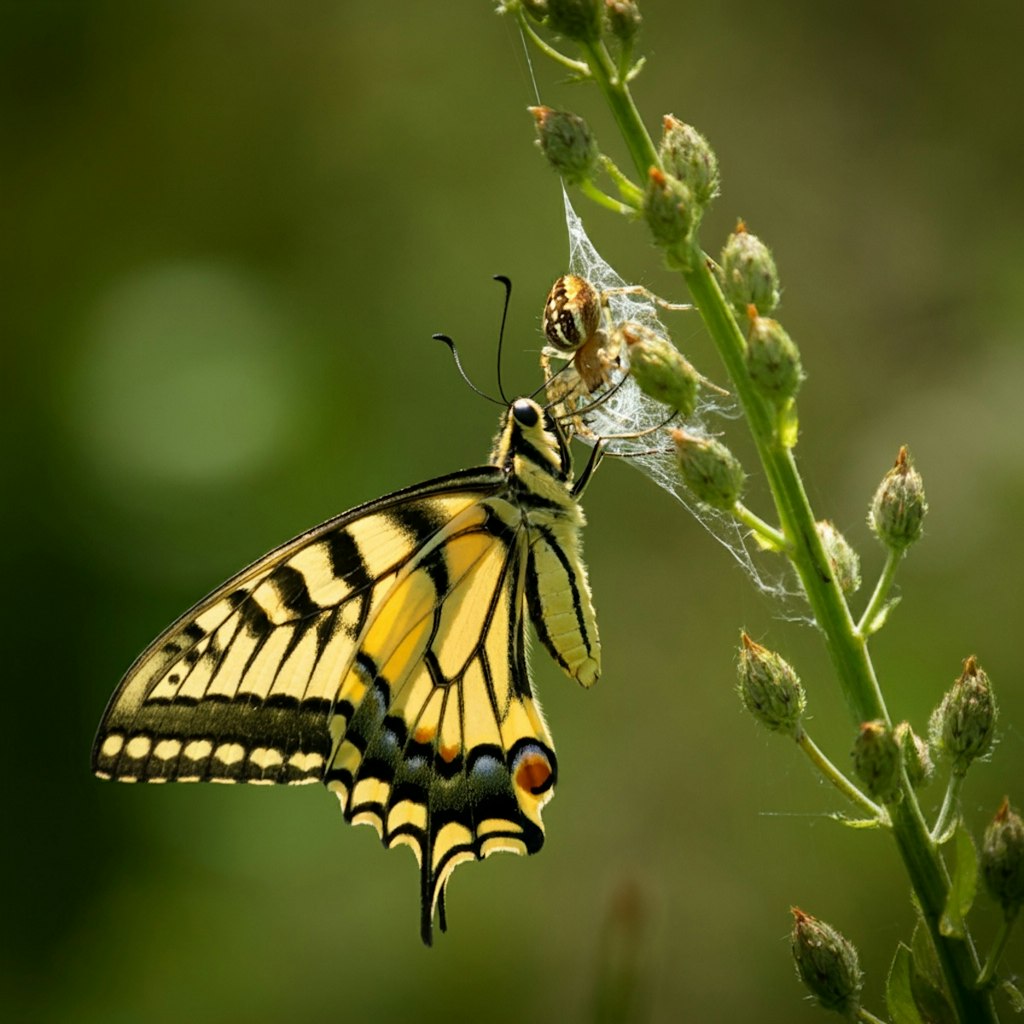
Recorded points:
(383,653)
(438,742)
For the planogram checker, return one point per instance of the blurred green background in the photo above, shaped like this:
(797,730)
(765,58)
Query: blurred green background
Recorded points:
(231,229)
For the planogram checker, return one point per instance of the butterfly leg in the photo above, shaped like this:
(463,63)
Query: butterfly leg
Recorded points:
(596,454)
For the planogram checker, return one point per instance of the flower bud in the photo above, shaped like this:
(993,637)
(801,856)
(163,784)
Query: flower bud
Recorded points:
(686,155)
(575,19)
(669,210)
(1002,859)
(916,758)
(748,273)
(876,760)
(660,369)
(899,506)
(769,688)
(826,963)
(623,19)
(843,561)
(710,470)
(567,143)
(962,728)
(773,360)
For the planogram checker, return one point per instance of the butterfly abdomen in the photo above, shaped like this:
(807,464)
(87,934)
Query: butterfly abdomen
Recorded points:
(559,600)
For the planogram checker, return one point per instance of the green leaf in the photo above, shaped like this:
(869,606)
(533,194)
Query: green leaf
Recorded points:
(787,424)
(882,615)
(930,1001)
(926,982)
(899,994)
(964,886)
(926,960)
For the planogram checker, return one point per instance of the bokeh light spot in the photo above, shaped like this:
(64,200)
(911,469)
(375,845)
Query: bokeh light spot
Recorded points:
(184,376)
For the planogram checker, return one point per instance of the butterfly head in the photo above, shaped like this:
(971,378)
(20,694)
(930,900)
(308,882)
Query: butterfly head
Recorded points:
(526,412)
(530,438)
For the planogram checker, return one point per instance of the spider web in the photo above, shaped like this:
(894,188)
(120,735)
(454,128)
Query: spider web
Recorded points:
(626,409)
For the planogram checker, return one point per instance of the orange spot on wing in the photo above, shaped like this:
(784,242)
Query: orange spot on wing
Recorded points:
(450,753)
(533,773)
(425,734)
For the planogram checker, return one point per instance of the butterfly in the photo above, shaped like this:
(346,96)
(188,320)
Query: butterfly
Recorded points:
(384,654)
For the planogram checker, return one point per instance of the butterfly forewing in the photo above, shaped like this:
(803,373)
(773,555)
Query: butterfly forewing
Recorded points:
(383,654)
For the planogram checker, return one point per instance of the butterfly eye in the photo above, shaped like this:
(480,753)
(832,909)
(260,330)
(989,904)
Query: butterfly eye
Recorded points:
(525,412)
(572,313)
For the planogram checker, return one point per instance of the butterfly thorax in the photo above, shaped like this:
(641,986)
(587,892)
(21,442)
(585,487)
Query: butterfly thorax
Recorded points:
(535,458)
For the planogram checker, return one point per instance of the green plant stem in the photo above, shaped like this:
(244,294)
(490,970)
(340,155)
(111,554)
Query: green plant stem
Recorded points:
(866,625)
(868,1017)
(847,649)
(766,534)
(987,975)
(950,803)
(837,778)
(577,67)
(620,100)
(631,195)
(592,192)
(928,875)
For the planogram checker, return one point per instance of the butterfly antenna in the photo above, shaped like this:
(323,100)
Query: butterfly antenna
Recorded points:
(462,373)
(501,334)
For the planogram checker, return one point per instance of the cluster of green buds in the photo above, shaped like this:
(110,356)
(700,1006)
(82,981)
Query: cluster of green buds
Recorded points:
(679,191)
(827,964)
(585,21)
(876,761)
(565,138)
(660,369)
(769,688)
(962,728)
(575,19)
(681,182)
(750,284)
(1002,859)
(898,508)
(709,470)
